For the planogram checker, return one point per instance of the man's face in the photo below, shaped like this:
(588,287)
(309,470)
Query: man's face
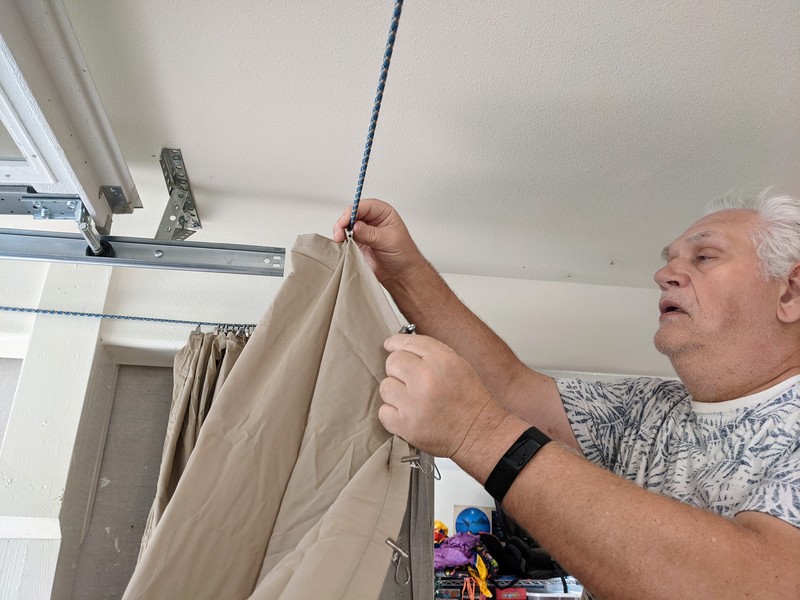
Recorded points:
(713,299)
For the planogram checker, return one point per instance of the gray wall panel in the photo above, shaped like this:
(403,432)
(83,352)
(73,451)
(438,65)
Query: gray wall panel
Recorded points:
(127,482)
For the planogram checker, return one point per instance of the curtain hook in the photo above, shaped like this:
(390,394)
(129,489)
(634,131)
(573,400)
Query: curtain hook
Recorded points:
(397,558)
(414,461)
(436,474)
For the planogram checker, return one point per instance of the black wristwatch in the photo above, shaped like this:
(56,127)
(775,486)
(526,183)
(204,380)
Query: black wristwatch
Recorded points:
(513,461)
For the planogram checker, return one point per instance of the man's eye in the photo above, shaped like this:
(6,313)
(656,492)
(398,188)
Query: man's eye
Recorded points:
(703,257)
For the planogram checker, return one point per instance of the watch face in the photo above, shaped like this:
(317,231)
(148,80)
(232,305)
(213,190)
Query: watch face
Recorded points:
(472,520)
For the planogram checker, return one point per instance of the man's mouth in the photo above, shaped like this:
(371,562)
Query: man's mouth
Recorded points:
(670,307)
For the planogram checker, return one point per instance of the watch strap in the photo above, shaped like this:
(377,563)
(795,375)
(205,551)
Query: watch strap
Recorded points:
(513,461)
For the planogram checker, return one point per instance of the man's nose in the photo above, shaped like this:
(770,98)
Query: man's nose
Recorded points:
(671,275)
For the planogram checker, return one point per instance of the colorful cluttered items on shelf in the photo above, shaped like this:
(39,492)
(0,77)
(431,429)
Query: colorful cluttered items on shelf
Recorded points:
(440,532)
(480,573)
(476,567)
(465,553)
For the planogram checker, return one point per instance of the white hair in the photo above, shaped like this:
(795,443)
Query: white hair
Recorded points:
(777,235)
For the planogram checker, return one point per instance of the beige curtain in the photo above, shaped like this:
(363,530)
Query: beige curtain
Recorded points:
(293,486)
(199,370)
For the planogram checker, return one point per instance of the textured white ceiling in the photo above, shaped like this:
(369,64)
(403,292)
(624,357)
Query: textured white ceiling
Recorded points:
(556,139)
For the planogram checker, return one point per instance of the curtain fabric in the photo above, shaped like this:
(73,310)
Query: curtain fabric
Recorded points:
(293,486)
(199,370)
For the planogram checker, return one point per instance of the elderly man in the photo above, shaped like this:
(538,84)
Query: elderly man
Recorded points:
(650,489)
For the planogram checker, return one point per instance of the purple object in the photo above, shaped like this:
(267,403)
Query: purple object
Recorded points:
(455,551)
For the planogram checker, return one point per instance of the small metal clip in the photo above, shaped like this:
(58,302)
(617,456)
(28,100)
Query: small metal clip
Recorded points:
(398,555)
(410,328)
(197,329)
(415,462)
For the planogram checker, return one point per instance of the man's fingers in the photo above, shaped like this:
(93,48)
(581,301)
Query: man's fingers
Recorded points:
(340,225)
(365,234)
(389,416)
(373,211)
(402,366)
(370,211)
(421,345)
(392,392)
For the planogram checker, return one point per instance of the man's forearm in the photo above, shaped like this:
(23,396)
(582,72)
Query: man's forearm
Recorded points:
(622,541)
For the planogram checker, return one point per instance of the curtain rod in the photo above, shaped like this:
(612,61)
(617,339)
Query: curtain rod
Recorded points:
(68,313)
(24,244)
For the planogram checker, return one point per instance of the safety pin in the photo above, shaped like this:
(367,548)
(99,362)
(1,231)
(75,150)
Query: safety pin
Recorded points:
(415,462)
(410,328)
(398,555)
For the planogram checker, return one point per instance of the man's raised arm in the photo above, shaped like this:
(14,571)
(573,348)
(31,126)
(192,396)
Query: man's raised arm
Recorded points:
(426,300)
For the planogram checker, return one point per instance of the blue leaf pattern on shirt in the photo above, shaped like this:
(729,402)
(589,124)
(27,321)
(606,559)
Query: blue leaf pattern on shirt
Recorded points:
(727,461)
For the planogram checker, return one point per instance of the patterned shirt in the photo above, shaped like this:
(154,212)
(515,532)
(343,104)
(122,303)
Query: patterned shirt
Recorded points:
(726,457)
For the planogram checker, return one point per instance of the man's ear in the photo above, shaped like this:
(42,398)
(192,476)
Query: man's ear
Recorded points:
(789,301)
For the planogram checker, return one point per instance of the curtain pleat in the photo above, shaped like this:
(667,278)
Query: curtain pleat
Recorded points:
(199,370)
(293,486)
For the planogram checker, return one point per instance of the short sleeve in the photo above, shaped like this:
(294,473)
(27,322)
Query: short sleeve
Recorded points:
(778,491)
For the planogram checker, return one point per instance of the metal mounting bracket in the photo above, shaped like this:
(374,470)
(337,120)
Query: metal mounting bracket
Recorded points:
(180,218)
(21,200)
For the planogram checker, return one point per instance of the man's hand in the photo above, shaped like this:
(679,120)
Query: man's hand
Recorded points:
(433,397)
(383,238)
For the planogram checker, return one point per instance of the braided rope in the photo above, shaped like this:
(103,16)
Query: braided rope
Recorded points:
(68,313)
(376,108)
